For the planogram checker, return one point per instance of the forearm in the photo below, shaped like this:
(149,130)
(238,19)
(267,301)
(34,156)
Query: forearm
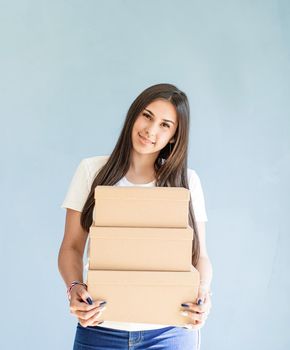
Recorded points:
(204,267)
(70,265)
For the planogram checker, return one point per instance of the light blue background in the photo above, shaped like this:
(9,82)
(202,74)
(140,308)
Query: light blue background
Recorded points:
(69,72)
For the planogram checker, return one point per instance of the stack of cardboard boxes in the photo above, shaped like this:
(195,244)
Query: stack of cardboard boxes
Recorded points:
(140,249)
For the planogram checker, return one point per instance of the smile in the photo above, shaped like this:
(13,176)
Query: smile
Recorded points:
(145,141)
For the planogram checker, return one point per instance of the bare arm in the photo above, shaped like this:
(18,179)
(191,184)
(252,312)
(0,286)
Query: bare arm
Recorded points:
(204,265)
(70,256)
(198,310)
(70,264)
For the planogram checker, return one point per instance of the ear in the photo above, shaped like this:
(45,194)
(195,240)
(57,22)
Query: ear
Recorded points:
(172,141)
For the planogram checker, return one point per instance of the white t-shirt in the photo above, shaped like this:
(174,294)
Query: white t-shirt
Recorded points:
(76,197)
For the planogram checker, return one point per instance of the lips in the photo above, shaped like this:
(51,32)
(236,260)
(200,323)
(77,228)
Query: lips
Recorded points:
(146,140)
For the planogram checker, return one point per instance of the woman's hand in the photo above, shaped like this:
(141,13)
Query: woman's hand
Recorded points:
(198,311)
(88,315)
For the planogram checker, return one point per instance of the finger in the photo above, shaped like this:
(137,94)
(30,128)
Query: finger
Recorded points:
(195,316)
(203,307)
(97,322)
(200,298)
(195,308)
(85,296)
(192,315)
(85,315)
(91,320)
(202,292)
(75,304)
(190,325)
(208,297)
(204,316)
(194,326)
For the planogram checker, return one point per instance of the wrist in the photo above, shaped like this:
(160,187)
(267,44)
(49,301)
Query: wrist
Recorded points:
(205,287)
(74,283)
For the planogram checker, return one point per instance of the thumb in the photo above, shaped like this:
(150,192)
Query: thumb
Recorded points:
(86,297)
(201,296)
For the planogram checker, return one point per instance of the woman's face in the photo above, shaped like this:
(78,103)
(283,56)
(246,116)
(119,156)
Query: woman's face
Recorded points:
(157,123)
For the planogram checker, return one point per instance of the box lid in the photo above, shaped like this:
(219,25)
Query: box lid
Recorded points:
(144,193)
(141,233)
(143,278)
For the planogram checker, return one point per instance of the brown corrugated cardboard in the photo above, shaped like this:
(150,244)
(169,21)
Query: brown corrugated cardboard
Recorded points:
(138,206)
(144,296)
(140,248)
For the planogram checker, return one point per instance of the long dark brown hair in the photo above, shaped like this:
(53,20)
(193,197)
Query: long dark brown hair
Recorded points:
(170,165)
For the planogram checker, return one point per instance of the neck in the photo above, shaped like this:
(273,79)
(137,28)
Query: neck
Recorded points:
(143,163)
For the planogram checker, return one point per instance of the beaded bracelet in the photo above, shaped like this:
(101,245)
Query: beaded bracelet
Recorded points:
(72,285)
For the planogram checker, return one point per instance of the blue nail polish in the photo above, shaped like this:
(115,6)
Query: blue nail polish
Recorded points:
(89,300)
(199,302)
(103,303)
(185,305)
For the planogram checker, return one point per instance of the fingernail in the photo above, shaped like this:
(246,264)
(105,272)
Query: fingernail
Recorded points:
(89,300)
(199,302)
(103,303)
(185,304)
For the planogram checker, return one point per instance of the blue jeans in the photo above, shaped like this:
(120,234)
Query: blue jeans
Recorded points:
(167,338)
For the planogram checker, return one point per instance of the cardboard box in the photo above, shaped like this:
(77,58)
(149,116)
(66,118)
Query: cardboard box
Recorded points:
(140,248)
(141,206)
(144,296)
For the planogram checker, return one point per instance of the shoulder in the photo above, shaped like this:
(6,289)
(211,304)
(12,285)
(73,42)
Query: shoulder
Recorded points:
(197,195)
(96,159)
(193,177)
(93,164)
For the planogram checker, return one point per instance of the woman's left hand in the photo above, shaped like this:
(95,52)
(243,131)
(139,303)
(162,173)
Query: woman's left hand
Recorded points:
(198,311)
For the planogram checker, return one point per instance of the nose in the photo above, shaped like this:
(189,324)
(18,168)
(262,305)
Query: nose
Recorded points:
(151,132)
(148,133)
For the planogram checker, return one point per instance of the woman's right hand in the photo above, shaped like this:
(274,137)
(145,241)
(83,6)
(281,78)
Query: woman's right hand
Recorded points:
(88,315)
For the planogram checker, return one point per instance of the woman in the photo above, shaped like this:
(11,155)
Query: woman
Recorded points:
(151,151)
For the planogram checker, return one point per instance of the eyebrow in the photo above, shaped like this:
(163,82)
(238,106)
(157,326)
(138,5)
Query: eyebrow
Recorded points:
(167,120)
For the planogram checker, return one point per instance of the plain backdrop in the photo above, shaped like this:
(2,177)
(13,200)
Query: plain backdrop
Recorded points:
(69,72)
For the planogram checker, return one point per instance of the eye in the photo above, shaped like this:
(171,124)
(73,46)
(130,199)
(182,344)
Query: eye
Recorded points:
(166,125)
(146,115)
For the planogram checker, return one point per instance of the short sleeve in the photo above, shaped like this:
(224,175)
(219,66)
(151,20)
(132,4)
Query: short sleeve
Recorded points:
(197,197)
(79,188)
